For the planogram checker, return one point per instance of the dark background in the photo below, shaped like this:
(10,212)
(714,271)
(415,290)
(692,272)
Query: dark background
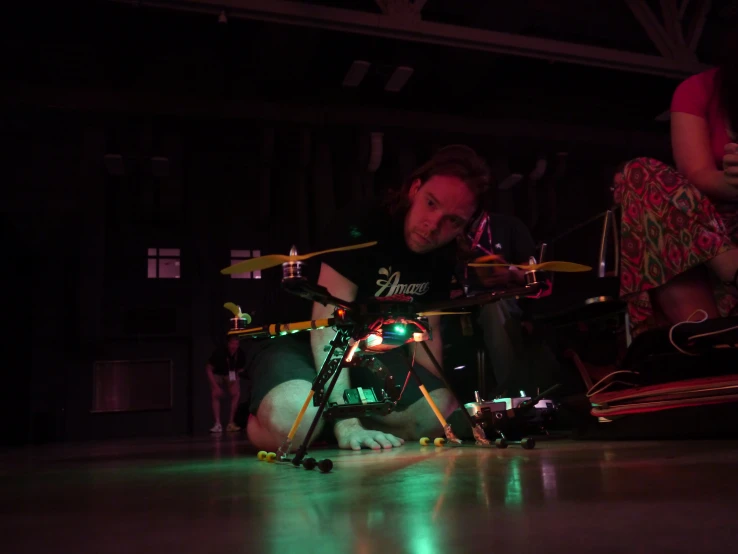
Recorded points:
(262,144)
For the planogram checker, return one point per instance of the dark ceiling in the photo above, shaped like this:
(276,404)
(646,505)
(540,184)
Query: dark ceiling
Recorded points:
(166,57)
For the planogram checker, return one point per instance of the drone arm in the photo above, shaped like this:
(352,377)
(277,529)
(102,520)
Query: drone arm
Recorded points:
(485,298)
(330,280)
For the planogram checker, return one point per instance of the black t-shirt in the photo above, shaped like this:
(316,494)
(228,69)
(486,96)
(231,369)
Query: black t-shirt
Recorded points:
(389,268)
(223,362)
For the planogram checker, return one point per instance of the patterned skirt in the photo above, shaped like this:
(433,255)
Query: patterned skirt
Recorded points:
(667,227)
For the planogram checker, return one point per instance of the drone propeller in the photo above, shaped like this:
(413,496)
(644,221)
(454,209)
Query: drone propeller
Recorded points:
(429,314)
(272,260)
(236,311)
(563,267)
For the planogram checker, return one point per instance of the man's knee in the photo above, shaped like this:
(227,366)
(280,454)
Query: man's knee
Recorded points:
(277,413)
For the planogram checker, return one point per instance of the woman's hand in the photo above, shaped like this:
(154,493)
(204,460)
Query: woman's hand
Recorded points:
(730,164)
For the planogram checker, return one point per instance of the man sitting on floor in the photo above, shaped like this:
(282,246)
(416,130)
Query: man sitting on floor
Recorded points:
(416,230)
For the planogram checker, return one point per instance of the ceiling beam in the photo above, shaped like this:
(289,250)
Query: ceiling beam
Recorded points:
(673,22)
(698,24)
(653,27)
(416,30)
(667,37)
(17,97)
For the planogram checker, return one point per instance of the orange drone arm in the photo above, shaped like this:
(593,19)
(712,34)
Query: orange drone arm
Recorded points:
(277,329)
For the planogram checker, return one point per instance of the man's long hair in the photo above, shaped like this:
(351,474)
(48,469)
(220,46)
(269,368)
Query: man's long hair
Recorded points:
(450,161)
(727,79)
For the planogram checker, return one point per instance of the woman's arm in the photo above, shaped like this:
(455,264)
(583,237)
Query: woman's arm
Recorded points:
(690,140)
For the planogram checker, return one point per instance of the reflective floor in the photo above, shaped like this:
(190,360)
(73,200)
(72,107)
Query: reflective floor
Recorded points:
(213,495)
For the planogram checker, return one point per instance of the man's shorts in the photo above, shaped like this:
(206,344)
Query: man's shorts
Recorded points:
(225,382)
(288,358)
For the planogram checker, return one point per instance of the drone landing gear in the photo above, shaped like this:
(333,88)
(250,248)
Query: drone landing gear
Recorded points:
(479,436)
(336,357)
(358,402)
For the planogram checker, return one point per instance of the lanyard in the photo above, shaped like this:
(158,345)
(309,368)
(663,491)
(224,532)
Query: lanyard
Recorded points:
(228,360)
(483,227)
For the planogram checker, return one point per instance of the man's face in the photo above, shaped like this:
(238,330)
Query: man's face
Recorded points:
(438,212)
(232,346)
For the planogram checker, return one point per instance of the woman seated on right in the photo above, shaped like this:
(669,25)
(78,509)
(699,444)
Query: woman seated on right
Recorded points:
(679,232)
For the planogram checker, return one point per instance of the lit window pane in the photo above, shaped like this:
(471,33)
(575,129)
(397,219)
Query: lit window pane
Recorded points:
(240,254)
(246,275)
(168,268)
(257,253)
(152,251)
(152,268)
(168,251)
(257,274)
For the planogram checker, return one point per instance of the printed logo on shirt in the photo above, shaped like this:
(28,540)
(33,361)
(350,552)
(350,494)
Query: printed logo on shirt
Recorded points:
(391,285)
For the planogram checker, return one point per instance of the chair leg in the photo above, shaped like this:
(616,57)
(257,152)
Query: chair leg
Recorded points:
(628,337)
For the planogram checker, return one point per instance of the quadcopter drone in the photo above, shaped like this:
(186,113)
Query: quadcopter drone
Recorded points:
(363,332)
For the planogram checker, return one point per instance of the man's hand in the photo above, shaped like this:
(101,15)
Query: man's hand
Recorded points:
(217,392)
(351,435)
(730,164)
(498,276)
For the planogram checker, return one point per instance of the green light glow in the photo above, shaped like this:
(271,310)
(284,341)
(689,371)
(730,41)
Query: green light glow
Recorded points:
(514,488)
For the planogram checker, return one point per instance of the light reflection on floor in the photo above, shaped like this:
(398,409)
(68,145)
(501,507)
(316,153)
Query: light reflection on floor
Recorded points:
(213,495)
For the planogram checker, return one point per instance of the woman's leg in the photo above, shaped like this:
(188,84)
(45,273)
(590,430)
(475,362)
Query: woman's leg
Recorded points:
(725,266)
(670,234)
(683,295)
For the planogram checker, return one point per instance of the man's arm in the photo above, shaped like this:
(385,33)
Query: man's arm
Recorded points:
(209,368)
(342,288)
(350,433)
(435,346)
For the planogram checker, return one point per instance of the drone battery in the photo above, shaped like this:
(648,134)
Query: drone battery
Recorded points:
(359,395)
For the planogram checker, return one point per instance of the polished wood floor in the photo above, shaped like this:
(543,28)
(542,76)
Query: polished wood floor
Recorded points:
(211,495)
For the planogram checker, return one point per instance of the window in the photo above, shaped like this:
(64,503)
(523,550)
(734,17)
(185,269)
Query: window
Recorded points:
(163,263)
(241,255)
